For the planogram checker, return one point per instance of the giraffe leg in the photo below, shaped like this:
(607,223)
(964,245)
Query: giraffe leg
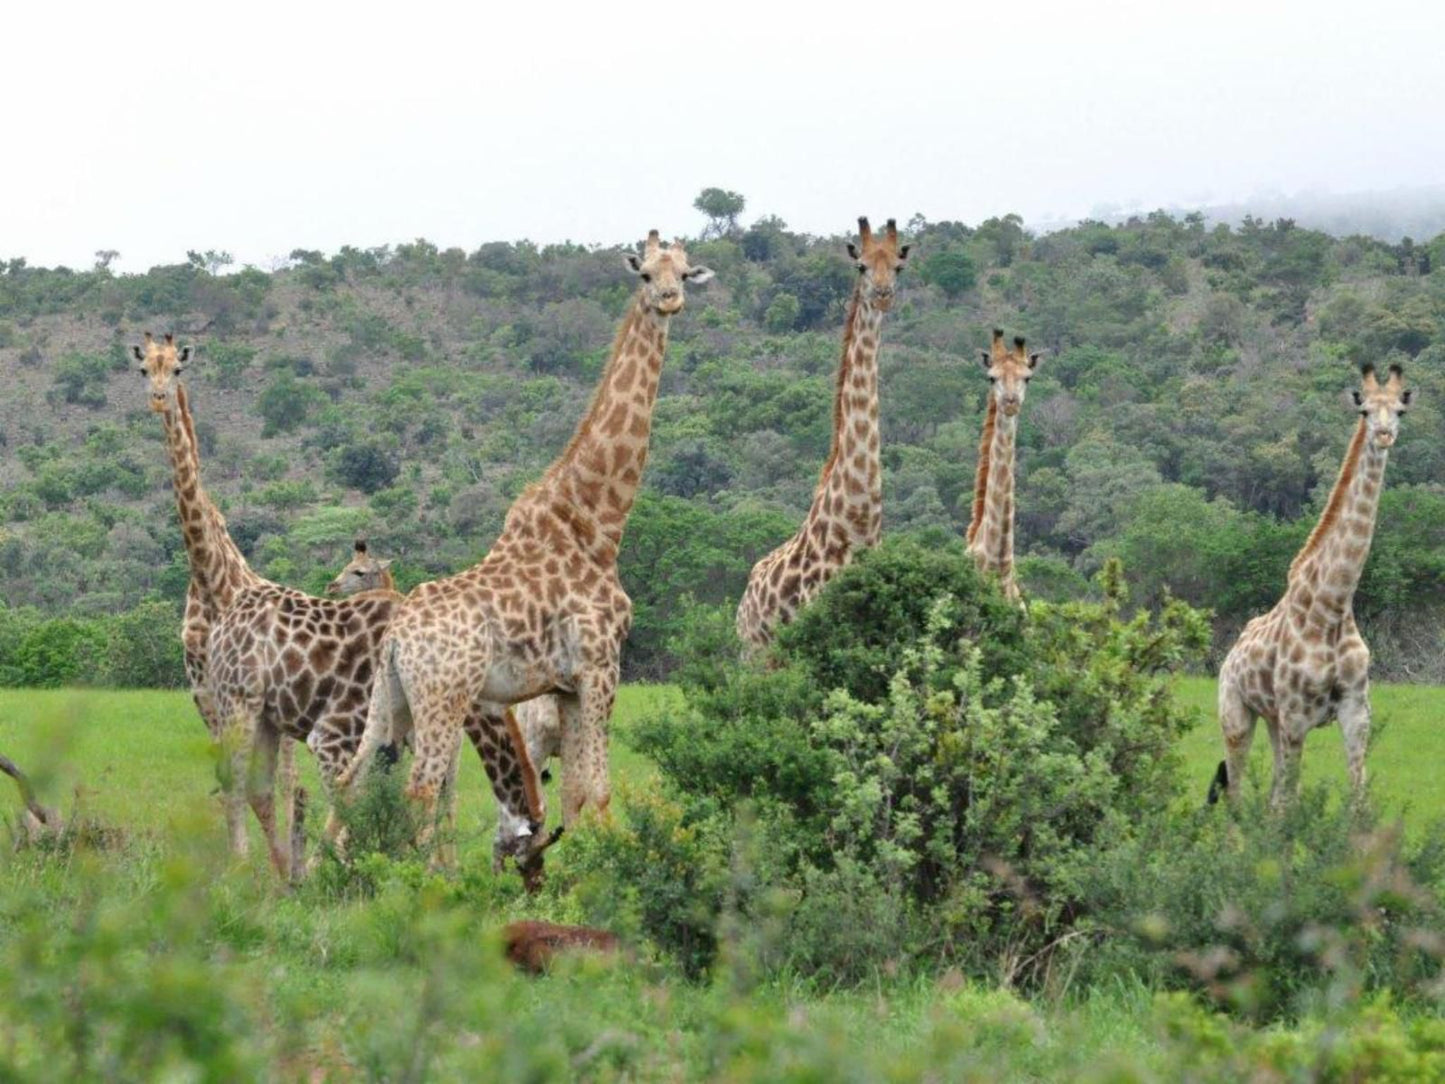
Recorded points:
(235,742)
(1354,716)
(261,792)
(1237,722)
(331,742)
(521,805)
(444,854)
(233,802)
(585,715)
(1289,742)
(286,775)
(439,718)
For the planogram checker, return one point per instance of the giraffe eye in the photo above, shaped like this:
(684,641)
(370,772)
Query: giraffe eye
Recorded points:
(645,276)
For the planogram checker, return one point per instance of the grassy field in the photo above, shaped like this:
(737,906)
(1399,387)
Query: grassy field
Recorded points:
(1407,748)
(142,757)
(341,987)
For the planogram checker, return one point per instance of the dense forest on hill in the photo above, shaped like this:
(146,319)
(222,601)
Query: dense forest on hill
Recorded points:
(1188,417)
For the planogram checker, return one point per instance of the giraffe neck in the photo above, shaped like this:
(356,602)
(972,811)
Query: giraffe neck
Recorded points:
(217,568)
(850,489)
(1330,566)
(992,541)
(598,474)
(980,478)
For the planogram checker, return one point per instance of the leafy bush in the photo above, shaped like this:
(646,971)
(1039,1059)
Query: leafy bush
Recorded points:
(928,761)
(651,874)
(81,378)
(366,465)
(1269,915)
(285,403)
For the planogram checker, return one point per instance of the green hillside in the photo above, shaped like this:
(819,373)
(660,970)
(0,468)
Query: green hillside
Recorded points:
(1190,411)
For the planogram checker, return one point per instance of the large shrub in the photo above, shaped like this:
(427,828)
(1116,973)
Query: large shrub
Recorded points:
(925,763)
(1268,914)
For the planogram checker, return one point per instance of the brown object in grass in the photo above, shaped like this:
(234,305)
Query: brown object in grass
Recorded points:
(531,946)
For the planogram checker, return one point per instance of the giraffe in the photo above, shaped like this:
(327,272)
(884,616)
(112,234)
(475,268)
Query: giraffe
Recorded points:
(1304,662)
(990,536)
(286,665)
(846,515)
(544,611)
(218,571)
(362,573)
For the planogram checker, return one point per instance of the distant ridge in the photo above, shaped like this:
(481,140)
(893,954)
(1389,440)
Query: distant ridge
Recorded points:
(1417,212)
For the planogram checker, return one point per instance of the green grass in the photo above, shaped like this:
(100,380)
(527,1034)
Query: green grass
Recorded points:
(1407,747)
(340,986)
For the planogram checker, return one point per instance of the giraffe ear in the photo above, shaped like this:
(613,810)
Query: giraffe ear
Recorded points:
(384,565)
(987,359)
(634,263)
(852,250)
(1406,396)
(1359,399)
(185,353)
(903,252)
(1034,360)
(138,355)
(698,274)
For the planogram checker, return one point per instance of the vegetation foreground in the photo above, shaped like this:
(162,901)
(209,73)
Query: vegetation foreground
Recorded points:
(145,950)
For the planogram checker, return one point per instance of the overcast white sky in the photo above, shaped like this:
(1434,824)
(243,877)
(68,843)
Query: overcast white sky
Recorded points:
(260,127)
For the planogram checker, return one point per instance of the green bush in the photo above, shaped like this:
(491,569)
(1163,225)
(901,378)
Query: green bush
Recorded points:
(653,874)
(81,378)
(143,648)
(1269,915)
(286,402)
(925,759)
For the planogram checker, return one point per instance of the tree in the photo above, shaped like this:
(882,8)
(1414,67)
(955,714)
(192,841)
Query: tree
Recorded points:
(722,208)
(210,261)
(285,403)
(104,258)
(365,465)
(952,271)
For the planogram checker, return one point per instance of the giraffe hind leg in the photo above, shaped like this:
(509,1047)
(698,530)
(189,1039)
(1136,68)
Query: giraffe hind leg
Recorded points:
(1237,722)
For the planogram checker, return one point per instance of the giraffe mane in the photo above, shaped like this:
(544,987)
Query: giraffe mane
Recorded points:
(850,326)
(1336,501)
(980,479)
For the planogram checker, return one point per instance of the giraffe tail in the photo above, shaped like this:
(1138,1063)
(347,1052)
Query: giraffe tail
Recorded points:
(1219,784)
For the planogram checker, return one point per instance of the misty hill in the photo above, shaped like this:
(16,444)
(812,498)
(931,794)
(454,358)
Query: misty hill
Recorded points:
(1189,414)
(1386,215)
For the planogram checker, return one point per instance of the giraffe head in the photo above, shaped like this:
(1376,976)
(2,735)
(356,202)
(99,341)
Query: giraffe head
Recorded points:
(161,363)
(1009,371)
(1382,405)
(879,262)
(663,272)
(362,573)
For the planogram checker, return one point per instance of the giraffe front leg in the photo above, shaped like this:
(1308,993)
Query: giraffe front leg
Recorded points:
(261,792)
(585,717)
(1354,716)
(234,754)
(1289,742)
